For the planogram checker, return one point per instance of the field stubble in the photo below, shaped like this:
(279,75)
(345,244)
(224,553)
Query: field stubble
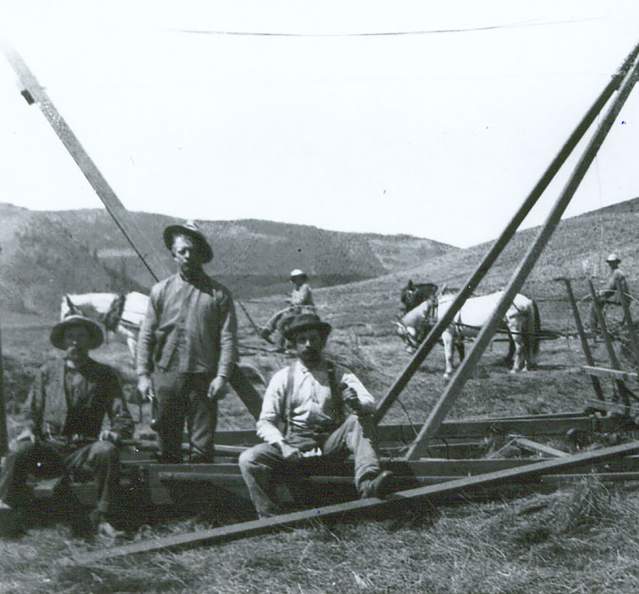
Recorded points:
(579,539)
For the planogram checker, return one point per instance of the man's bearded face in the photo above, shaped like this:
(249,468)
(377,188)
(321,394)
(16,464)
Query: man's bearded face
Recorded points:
(76,341)
(309,345)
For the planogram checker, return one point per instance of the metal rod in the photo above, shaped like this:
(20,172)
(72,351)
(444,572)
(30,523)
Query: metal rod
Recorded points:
(500,243)
(464,371)
(585,347)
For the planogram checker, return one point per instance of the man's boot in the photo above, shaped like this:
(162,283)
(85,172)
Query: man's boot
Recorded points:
(103,527)
(380,486)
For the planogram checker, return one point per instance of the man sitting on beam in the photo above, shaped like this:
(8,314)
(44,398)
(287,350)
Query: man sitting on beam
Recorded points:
(306,413)
(63,434)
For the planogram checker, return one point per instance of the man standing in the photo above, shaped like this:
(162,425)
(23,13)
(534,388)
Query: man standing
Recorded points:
(188,340)
(300,301)
(609,293)
(312,408)
(63,433)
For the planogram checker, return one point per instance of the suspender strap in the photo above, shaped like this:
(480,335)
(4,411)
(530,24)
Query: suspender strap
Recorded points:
(336,395)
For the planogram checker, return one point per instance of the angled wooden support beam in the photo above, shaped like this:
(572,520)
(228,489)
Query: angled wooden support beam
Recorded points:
(399,500)
(539,448)
(585,347)
(35,93)
(464,371)
(149,256)
(502,241)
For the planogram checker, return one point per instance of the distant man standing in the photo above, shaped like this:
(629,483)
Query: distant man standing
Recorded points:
(300,301)
(312,407)
(188,340)
(609,293)
(63,433)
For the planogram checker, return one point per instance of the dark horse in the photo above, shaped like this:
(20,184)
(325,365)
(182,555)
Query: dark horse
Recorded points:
(415,293)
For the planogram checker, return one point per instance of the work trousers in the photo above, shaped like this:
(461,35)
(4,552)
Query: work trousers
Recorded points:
(184,396)
(49,459)
(259,463)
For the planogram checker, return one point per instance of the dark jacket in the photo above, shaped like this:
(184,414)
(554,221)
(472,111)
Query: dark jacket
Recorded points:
(47,409)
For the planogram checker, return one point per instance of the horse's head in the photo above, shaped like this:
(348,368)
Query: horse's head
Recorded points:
(415,293)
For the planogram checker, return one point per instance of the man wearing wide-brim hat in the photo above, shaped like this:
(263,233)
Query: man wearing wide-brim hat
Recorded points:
(187,348)
(64,414)
(609,294)
(313,407)
(300,301)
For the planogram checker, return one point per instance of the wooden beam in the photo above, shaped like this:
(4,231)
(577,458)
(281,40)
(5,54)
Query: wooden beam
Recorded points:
(627,317)
(399,500)
(4,439)
(612,356)
(585,347)
(465,370)
(156,265)
(464,429)
(626,376)
(502,241)
(539,448)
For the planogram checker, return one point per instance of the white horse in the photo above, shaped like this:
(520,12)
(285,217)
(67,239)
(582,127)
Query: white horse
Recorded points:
(521,322)
(121,314)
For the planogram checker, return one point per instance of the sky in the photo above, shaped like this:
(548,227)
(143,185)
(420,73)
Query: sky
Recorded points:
(439,134)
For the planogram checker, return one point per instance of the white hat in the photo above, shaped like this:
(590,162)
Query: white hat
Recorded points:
(613,258)
(297,272)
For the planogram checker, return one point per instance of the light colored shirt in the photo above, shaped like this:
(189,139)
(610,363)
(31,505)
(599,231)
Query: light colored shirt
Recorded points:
(189,327)
(302,295)
(310,403)
(611,284)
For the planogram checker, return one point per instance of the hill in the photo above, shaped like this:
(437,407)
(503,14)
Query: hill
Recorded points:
(577,250)
(50,252)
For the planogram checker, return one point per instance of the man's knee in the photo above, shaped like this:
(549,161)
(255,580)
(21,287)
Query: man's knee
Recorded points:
(254,457)
(104,452)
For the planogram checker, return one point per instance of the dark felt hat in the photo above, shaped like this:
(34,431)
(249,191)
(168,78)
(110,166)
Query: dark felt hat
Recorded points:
(95,330)
(306,321)
(190,229)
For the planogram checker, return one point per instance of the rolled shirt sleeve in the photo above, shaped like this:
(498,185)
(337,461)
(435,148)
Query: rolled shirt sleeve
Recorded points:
(366,399)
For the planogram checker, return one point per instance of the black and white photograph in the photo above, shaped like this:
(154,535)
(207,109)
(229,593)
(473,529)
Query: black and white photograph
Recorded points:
(330,297)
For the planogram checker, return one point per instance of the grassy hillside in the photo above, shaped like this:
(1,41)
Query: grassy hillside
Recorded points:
(86,252)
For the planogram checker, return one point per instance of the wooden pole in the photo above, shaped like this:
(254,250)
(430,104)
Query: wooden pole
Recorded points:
(35,93)
(585,347)
(496,249)
(156,265)
(400,499)
(612,356)
(4,439)
(627,316)
(453,390)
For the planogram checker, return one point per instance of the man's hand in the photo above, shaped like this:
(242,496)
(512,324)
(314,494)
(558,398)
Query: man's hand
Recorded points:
(26,435)
(145,387)
(289,453)
(108,435)
(349,395)
(217,388)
